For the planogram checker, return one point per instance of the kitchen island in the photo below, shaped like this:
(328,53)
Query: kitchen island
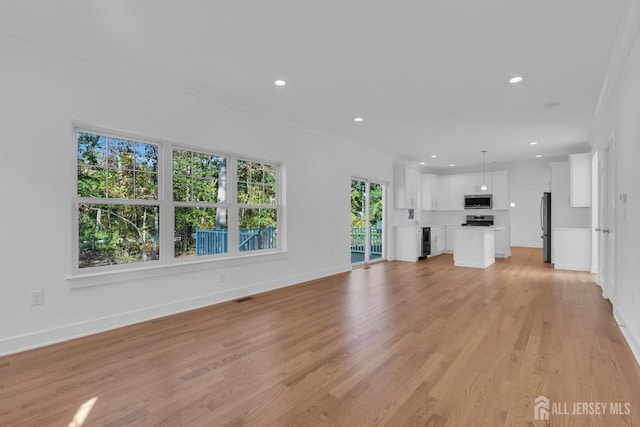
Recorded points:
(474,247)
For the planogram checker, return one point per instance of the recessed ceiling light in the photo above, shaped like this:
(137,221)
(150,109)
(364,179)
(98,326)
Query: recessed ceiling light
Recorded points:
(280,83)
(433,156)
(533,143)
(358,119)
(422,163)
(451,165)
(516,79)
(538,155)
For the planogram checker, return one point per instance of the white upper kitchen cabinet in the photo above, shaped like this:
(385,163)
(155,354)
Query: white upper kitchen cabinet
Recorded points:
(451,193)
(413,185)
(580,169)
(473,183)
(405,186)
(428,192)
(443,193)
(446,192)
(500,190)
(456,192)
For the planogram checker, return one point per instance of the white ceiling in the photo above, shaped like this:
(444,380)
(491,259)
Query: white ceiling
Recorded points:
(428,76)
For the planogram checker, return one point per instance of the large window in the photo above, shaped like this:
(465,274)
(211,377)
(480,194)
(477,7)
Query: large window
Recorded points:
(131,209)
(118,210)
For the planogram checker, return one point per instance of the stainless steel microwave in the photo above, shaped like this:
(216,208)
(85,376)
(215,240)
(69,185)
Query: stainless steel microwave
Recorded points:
(478,201)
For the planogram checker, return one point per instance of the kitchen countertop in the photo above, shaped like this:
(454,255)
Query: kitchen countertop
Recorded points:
(493,227)
(419,226)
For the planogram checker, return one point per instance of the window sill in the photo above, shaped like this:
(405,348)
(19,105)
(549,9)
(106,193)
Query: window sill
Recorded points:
(104,278)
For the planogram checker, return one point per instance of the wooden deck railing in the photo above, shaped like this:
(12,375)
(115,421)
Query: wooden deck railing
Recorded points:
(209,242)
(358,243)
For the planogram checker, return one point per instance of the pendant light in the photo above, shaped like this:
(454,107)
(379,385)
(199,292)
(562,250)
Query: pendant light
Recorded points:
(484,182)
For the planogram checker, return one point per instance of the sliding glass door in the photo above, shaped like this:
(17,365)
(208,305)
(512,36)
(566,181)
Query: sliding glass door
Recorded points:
(367,231)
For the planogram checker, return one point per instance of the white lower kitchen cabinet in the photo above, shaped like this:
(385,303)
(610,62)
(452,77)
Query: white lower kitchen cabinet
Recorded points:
(437,240)
(449,236)
(408,243)
(503,242)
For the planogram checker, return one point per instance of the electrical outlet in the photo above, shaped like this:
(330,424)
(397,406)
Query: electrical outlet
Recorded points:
(36,298)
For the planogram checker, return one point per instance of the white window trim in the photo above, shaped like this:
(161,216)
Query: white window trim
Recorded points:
(168,263)
(180,266)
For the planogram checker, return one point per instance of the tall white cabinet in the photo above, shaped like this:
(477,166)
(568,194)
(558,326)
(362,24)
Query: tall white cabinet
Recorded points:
(473,183)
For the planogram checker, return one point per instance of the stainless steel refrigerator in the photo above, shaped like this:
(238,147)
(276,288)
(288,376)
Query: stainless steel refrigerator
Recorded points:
(545,224)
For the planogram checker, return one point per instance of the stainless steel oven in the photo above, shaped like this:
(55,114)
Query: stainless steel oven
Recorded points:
(479,220)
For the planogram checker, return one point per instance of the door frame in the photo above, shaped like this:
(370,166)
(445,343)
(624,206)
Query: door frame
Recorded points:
(595,213)
(367,255)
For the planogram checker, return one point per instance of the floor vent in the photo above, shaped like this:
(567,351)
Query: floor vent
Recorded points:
(243,299)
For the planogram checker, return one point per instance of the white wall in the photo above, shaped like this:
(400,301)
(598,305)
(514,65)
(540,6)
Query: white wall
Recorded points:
(527,182)
(619,113)
(42,92)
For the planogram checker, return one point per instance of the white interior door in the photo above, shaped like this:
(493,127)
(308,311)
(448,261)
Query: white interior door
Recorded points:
(607,207)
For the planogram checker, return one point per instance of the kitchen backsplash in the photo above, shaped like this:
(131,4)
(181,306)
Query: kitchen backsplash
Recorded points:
(501,218)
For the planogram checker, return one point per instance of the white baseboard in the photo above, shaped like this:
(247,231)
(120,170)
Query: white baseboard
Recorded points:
(628,334)
(68,332)
(573,267)
(472,264)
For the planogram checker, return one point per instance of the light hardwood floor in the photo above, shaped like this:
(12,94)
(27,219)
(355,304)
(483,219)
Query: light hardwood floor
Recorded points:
(396,344)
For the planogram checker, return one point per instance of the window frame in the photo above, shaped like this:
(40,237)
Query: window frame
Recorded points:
(167,206)
(277,206)
(78,200)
